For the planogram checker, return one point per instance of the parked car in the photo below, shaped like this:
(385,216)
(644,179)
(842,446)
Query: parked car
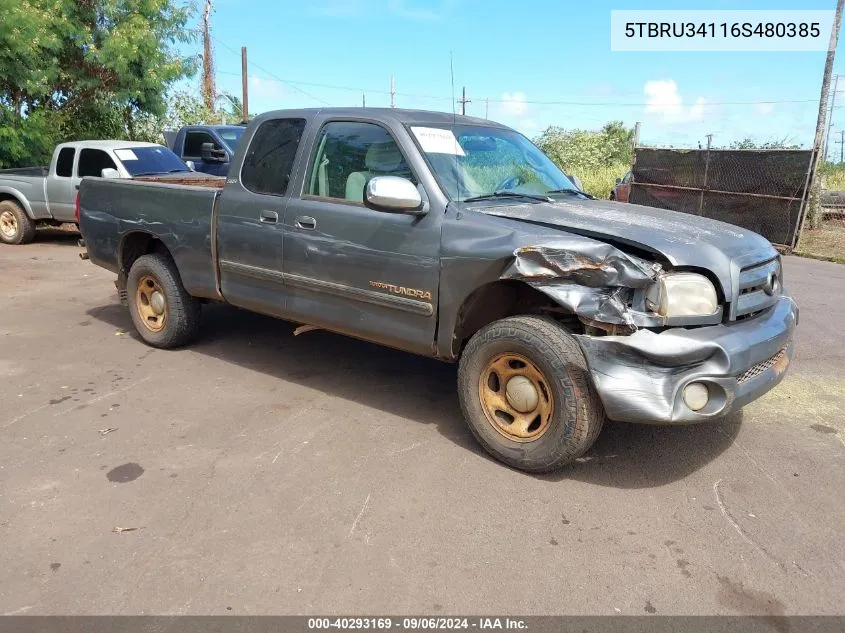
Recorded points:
(46,195)
(622,189)
(210,147)
(385,225)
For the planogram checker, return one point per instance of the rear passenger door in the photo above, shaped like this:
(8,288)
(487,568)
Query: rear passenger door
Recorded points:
(60,188)
(350,268)
(250,214)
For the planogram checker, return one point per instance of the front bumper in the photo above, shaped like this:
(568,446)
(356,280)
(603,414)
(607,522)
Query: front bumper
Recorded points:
(641,377)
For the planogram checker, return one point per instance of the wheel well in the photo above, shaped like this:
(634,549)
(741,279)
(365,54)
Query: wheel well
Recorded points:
(500,299)
(8,196)
(136,244)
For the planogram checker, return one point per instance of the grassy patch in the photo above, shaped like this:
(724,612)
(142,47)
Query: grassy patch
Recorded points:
(826,243)
(598,181)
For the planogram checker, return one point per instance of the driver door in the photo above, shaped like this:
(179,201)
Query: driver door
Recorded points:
(352,269)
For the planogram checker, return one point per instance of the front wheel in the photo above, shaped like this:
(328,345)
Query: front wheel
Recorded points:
(527,395)
(163,312)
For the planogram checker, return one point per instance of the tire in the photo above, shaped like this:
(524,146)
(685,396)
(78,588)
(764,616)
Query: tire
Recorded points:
(179,321)
(16,227)
(566,430)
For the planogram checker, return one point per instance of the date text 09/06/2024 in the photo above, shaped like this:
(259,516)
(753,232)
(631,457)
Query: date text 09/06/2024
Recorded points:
(724,29)
(418,623)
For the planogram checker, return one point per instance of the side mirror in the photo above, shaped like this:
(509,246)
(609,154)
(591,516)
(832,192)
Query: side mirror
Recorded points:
(618,181)
(191,165)
(391,193)
(110,172)
(211,155)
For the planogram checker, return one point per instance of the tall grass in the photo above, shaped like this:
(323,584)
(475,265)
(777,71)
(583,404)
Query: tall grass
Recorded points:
(833,176)
(598,181)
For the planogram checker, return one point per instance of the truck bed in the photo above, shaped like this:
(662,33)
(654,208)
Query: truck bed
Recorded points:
(115,208)
(210,182)
(36,172)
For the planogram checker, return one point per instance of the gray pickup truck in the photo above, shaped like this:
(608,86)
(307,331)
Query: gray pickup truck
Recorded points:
(47,195)
(458,239)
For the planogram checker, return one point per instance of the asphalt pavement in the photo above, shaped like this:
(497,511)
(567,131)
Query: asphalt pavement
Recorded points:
(261,473)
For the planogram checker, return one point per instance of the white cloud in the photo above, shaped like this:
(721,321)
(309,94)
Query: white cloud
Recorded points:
(514,103)
(663,99)
(265,89)
(765,109)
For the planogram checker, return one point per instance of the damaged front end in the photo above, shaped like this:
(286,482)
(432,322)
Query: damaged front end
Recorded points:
(657,342)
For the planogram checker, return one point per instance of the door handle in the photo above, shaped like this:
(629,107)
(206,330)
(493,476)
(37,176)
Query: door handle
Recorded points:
(306,222)
(269,217)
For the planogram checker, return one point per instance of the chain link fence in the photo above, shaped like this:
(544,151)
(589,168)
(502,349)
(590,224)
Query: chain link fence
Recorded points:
(760,190)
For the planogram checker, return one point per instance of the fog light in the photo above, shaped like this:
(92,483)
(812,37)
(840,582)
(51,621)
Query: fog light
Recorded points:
(696,395)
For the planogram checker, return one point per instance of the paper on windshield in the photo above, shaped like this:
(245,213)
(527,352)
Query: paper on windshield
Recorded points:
(125,154)
(438,141)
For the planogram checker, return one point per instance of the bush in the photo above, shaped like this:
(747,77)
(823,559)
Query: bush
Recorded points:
(598,158)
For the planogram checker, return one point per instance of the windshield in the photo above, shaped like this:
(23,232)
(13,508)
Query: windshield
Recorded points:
(231,136)
(477,161)
(150,160)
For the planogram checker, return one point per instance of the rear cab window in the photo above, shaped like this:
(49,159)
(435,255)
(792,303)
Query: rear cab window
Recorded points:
(64,163)
(268,162)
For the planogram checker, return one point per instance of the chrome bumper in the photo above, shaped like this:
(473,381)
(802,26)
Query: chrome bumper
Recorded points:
(641,377)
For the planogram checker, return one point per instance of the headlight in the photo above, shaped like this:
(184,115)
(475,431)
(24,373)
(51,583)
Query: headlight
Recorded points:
(682,294)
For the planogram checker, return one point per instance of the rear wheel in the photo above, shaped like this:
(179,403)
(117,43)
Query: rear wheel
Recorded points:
(163,312)
(16,227)
(527,395)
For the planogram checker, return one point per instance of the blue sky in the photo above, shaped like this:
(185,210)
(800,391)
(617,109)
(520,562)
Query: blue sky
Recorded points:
(516,54)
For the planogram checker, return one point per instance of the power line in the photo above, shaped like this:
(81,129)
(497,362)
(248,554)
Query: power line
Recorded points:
(587,104)
(279,79)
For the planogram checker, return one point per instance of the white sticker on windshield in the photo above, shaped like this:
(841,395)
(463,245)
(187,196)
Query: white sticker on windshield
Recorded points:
(125,154)
(434,140)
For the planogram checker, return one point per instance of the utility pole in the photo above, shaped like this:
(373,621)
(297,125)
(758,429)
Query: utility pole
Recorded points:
(244,86)
(814,208)
(392,93)
(830,116)
(209,90)
(464,101)
(363,100)
(636,134)
(841,143)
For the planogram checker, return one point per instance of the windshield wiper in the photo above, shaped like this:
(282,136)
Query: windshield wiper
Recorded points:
(509,194)
(575,191)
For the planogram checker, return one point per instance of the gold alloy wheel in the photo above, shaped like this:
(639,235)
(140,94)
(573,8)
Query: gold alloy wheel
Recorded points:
(151,304)
(516,398)
(8,224)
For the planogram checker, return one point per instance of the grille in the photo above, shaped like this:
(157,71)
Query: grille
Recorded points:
(752,296)
(759,368)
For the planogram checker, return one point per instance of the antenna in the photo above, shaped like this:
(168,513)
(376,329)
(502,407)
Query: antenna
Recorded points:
(454,123)
(452,71)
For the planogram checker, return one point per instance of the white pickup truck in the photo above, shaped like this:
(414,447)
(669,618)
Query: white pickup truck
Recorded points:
(47,195)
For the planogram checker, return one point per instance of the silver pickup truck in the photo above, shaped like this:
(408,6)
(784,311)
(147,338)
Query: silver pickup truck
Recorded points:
(47,195)
(458,239)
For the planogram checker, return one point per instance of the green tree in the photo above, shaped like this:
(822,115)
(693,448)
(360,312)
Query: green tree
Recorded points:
(580,150)
(74,69)
(749,143)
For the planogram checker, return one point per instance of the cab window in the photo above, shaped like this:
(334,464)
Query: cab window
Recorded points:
(348,155)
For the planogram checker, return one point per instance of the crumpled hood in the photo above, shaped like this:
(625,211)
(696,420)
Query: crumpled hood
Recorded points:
(682,239)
